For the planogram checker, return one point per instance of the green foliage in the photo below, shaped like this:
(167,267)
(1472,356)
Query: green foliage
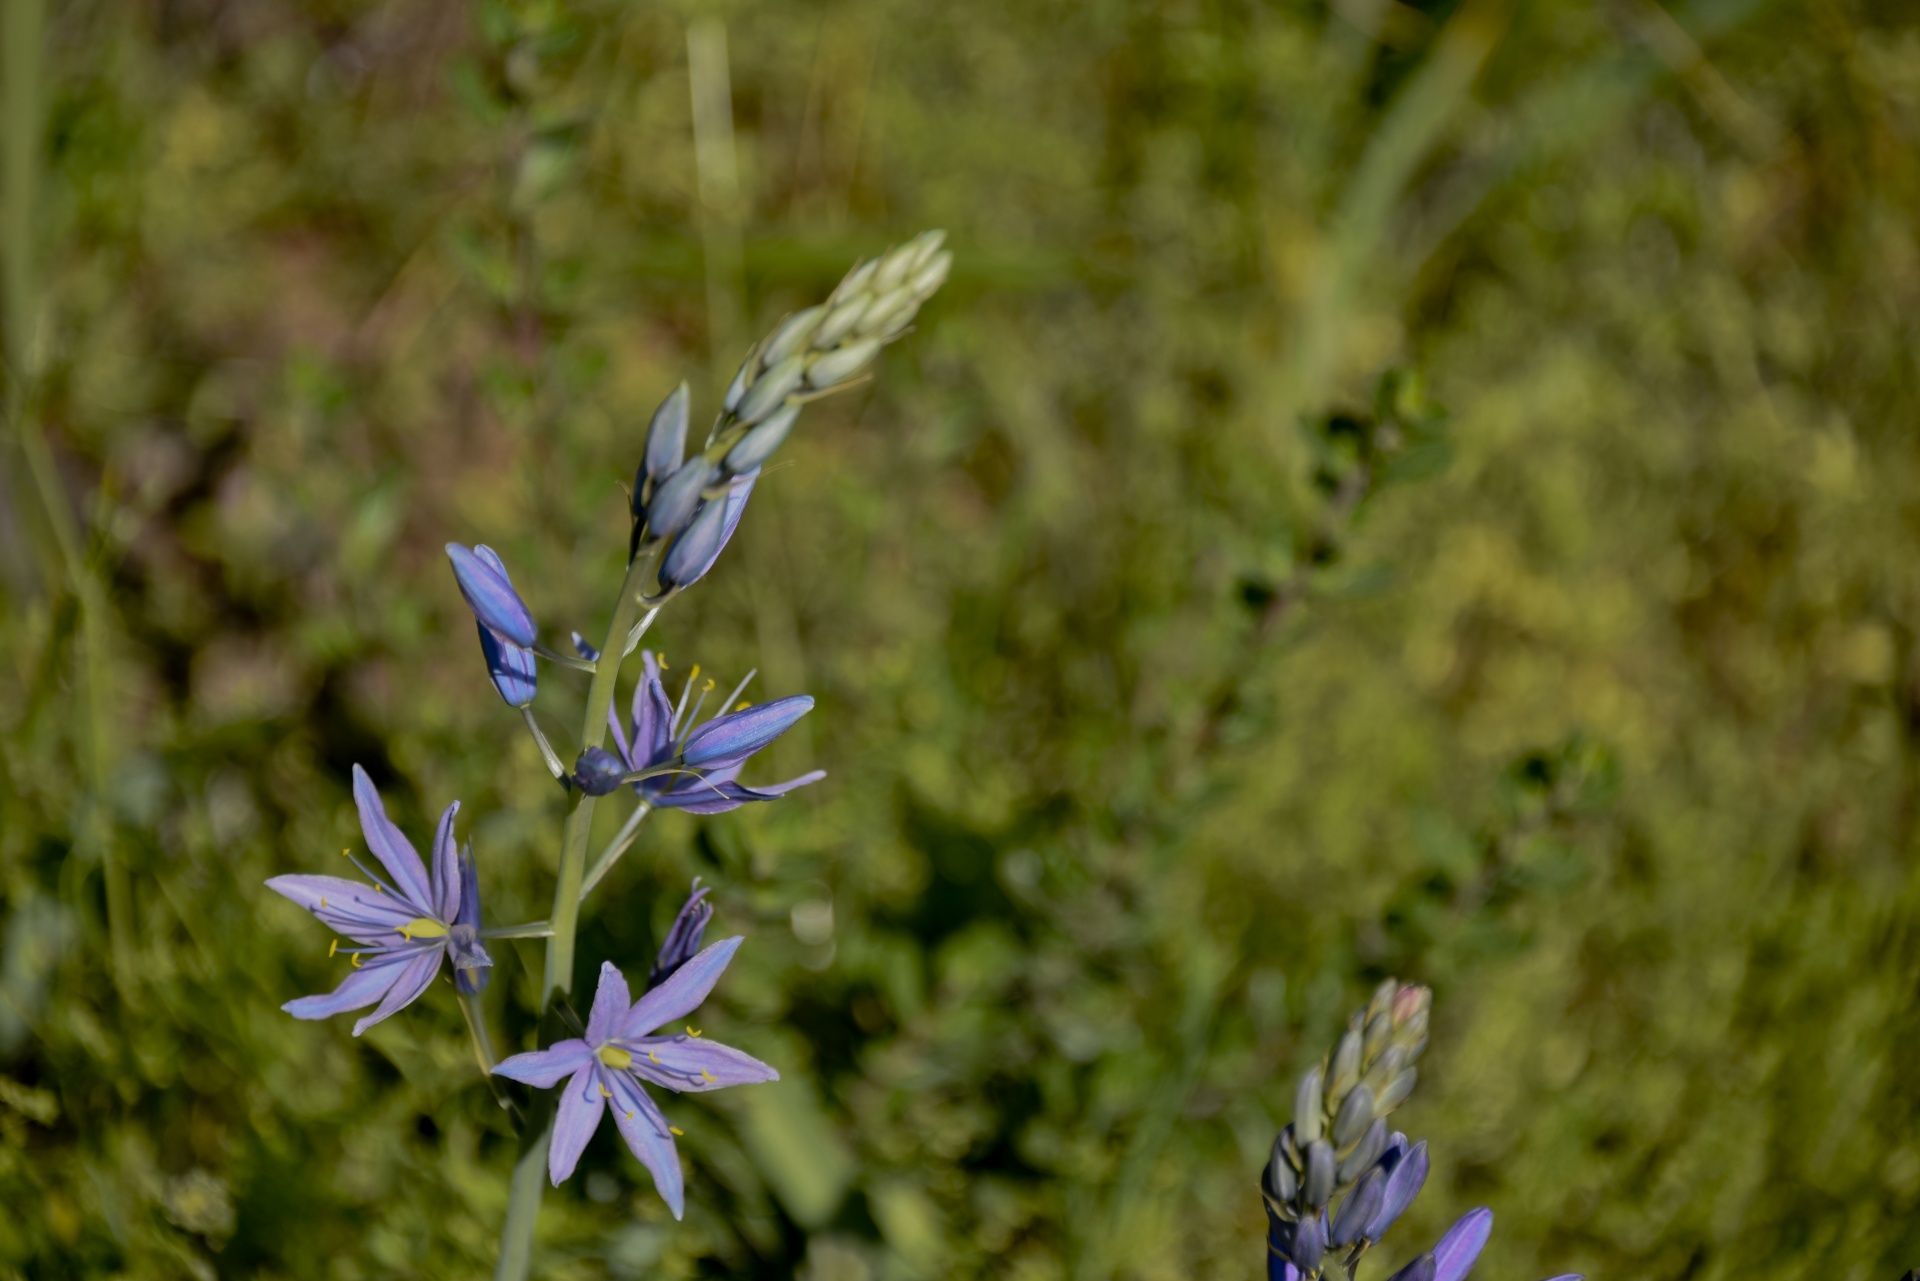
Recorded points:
(1162,721)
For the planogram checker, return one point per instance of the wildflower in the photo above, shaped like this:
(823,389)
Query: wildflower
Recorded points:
(712,754)
(403,926)
(507,631)
(620,1054)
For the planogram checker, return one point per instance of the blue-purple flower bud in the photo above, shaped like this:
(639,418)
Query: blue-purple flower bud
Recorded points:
(1310,1243)
(598,772)
(666,438)
(700,544)
(1320,1168)
(1358,1210)
(683,937)
(728,740)
(510,668)
(672,506)
(1406,1174)
(490,595)
(1456,1252)
(1421,1269)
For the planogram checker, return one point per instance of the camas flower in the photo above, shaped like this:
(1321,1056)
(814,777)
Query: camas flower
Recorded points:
(664,734)
(683,936)
(620,1053)
(402,927)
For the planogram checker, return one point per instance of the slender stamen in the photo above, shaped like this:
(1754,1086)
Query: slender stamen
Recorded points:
(738,690)
(673,727)
(378,884)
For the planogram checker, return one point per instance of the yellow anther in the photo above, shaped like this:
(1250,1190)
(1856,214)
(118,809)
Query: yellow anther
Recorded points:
(662,660)
(708,687)
(333,947)
(674,1129)
(692,1030)
(693,675)
(629,1116)
(710,1076)
(614,1057)
(425,926)
(379,889)
(605,1093)
(323,900)
(356,960)
(346,853)
(743,707)
(653,1055)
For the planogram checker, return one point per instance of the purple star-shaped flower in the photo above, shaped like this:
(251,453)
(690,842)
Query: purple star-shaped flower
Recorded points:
(403,927)
(664,733)
(620,1053)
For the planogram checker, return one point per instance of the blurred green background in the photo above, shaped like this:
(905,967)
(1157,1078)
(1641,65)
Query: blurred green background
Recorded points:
(1182,667)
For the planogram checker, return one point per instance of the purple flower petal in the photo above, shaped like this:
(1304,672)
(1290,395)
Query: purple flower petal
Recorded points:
(652,714)
(394,851)
(490,595)
(1421,1269)
(469,913)
(543,1068)
(694,1065)
(1404,1181)
(574,1122)
(705,796)
(1454,1256)
(730,739)
(350,908)
(700,545)
(510,668)
(361,988)
(415,975)
(649,1139)
(611,1000)
(446,867)
(680,995)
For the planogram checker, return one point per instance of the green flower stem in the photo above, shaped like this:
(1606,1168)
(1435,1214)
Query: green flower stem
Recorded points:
(615,849)
(530,1174)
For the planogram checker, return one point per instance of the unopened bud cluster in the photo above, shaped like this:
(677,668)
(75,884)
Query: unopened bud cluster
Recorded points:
(1338,1177)
(696,501)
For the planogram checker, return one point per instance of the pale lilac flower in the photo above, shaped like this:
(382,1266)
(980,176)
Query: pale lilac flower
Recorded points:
(402,927)
(620,1053)
(664,734)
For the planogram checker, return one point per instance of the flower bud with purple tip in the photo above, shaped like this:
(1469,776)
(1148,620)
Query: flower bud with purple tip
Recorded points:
(507,631)
(683,937)
(699,545)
